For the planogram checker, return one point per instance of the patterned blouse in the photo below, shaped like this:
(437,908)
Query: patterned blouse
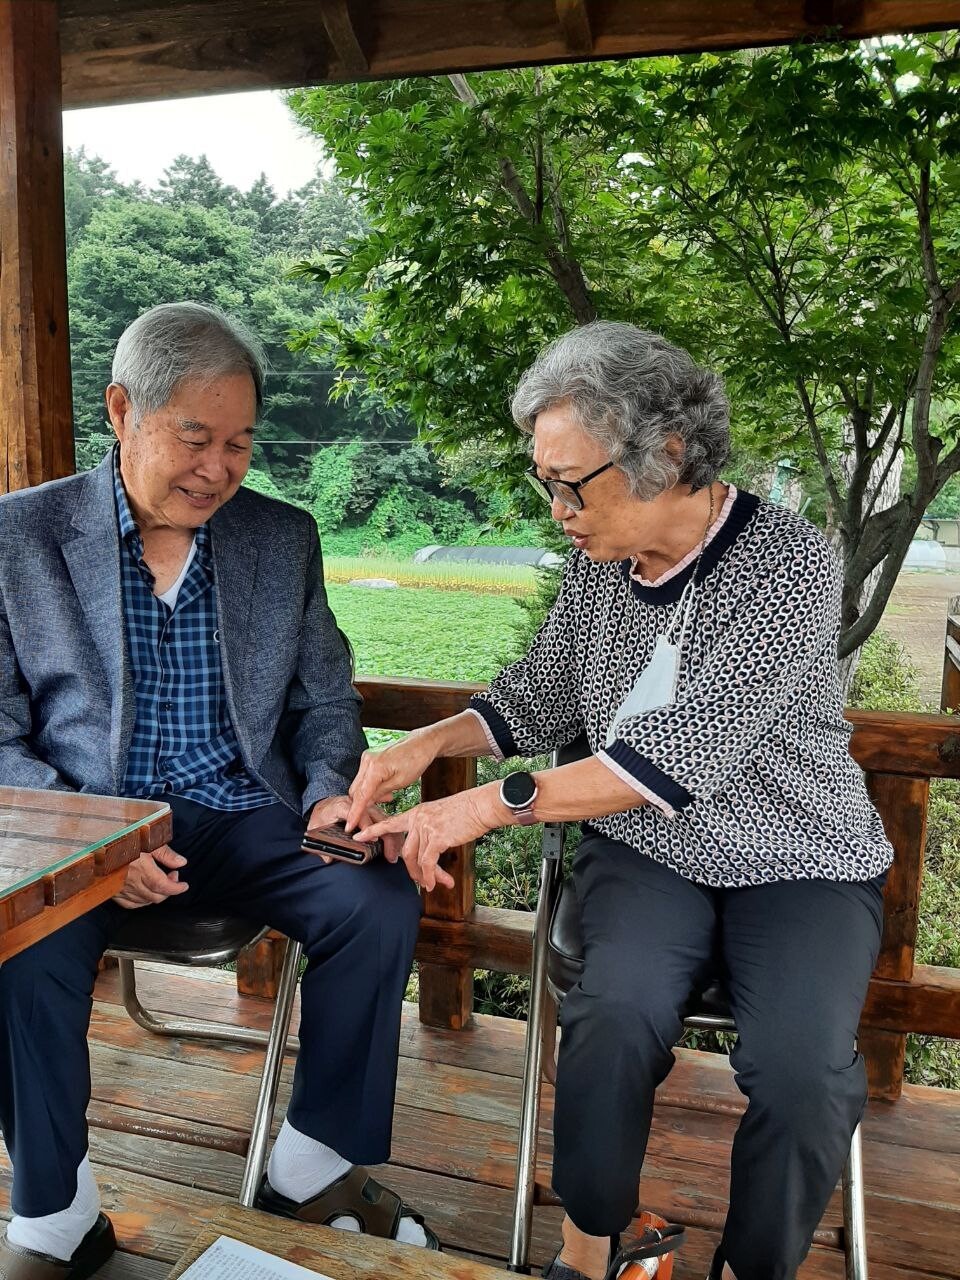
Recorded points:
(748,773)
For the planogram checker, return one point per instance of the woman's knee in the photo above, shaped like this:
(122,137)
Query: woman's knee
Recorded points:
(804,1086)
(617,1018)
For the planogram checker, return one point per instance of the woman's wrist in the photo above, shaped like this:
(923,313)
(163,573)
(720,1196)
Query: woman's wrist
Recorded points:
(492,809)
(459,735)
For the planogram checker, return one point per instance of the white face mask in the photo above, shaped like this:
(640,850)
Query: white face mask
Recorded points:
(656,685)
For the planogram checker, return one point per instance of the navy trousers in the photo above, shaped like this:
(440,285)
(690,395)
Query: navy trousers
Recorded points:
(358,926)
(796,958)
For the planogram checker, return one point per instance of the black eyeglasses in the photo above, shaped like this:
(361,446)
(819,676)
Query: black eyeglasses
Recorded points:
(565,491)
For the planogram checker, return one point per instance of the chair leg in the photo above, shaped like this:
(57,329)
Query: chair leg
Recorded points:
(186,1026)
(532,1078)
(548,1041)
(854,1213)
(270,1079)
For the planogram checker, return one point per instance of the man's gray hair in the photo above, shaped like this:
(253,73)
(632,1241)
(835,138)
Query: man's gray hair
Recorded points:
(180,341)
(632,391)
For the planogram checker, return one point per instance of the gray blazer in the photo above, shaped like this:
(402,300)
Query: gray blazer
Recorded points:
(66,695)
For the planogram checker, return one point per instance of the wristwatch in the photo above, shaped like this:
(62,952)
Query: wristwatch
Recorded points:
(518,792)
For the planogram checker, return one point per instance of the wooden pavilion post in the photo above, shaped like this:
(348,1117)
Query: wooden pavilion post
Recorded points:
(36,419)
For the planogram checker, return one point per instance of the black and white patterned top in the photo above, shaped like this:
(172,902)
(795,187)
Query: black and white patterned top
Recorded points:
(748,773)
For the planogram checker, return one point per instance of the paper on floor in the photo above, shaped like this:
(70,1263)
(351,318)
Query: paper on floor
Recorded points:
(228,1259)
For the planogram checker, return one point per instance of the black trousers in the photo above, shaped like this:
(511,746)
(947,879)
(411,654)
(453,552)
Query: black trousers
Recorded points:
(796,957)
(358,926)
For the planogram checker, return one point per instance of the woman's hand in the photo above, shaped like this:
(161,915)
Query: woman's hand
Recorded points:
(327,813)
(382,773)
(433,828)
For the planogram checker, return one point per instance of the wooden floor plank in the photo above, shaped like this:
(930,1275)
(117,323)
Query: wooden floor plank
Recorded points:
(170,1118)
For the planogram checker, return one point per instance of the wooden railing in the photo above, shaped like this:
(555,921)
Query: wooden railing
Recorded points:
(950,689)
(900,753)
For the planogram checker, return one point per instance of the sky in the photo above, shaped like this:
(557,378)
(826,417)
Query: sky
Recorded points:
(241,134)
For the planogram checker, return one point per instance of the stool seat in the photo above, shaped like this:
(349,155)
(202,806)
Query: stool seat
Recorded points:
(565,960)
(184,937)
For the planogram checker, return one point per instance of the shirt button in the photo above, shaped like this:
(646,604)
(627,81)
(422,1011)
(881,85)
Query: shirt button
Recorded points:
(167,706)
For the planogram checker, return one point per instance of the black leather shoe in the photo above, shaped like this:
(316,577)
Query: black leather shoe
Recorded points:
(88,1257)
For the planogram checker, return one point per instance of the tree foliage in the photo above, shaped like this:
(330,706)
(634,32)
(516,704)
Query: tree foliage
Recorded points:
(196,237)
(790,216)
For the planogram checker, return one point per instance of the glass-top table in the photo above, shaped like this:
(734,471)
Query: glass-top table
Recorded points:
(62,854)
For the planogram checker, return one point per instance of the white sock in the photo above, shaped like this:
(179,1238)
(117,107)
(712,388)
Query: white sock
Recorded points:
(300,1168)
(59,1234)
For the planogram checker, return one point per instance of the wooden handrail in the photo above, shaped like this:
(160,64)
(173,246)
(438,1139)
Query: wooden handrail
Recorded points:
(899,752)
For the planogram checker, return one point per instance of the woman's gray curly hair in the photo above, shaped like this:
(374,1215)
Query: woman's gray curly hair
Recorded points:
(633,391)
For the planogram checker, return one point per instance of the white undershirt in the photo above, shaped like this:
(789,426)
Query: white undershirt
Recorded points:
(169,597)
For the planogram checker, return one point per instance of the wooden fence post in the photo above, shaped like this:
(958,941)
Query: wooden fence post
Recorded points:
(36,413)
(258,967)
(446,992)
(902,804)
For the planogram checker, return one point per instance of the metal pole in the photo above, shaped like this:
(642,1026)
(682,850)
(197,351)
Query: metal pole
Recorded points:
(270,1080)
(550,872)
(854,1212)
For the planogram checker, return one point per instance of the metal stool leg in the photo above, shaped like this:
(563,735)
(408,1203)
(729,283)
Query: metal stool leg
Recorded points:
(854,1213)
(270,1079)
(532,1056)
(184,1026)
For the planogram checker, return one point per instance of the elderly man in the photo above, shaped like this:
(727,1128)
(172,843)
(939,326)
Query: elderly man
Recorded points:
(165,633)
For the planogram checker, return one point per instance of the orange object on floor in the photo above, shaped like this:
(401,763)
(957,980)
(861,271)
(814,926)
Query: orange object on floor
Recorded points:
(652,1223)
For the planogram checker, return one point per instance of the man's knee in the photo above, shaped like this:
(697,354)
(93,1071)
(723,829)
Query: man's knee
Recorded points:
(376,901)
(65,963)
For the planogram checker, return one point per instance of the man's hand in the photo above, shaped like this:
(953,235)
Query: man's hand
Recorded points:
(337,809)
(152,878)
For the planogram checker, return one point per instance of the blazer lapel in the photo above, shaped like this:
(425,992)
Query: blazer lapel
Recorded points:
(93,561)
(235,576)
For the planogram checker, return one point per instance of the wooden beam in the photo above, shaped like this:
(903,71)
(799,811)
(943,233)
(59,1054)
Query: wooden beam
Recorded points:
(135,50)
(394,703)
(897,742)
(924,746)
(36,412)
(929,1003)
(339,25)
(575,21)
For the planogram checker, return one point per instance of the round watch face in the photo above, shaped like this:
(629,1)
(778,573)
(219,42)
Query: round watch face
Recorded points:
(518,789)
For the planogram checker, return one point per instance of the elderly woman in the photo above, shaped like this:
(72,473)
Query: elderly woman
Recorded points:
(694,640)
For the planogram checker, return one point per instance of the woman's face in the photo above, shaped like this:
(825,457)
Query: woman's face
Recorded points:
(613,524)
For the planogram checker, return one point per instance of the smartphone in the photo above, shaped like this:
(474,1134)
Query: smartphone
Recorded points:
(333,842)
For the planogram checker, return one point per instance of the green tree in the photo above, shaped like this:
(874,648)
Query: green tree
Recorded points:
(819,188)
(193,180)
(791,217)
(133,255)
(88,182)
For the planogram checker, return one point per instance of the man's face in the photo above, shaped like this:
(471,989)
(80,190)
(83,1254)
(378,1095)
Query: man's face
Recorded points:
(186,460)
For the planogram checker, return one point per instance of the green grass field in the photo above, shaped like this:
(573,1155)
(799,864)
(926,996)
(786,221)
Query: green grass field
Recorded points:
(438,635)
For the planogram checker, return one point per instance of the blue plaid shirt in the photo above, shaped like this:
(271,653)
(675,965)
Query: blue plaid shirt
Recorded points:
(183,740)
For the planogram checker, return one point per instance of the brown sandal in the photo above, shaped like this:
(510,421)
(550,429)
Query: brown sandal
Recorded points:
(355,1195)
